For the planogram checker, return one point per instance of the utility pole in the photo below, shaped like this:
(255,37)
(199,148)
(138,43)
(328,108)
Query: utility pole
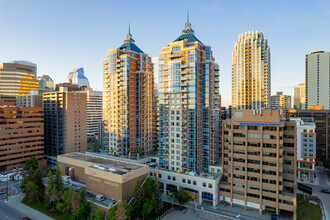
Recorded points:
(7,191)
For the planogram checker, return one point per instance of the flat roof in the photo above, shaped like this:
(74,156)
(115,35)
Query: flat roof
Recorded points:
(104,164)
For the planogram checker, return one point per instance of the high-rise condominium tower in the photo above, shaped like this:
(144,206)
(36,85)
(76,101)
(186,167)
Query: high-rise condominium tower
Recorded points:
(188,104)
(251,72)
(299,96)
(317,79)
(17,78)
(280,101)
(128,99)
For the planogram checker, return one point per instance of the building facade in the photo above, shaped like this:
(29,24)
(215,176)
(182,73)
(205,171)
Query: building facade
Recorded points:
(65,122)
(46,84)
(299,98)
(128,100)
(17,78)
(21,135)
(30,100)
(94,112)
(322,122)
(189,109)
(77,77)
(280,101)
(259,161)
(306,148)
(317,79)
(251,72)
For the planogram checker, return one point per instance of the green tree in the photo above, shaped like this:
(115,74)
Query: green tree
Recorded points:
(32,162)
(181,196)
(95,146)
(58,182)
(83,211)
(37,178)
(149,188)
(33,192)
(137,202)
(138,150)
(158,197)
(98,215)
(121,213)
(148,206)
(54,197)
(129,209)
(82,195)
(65,205)
(112,212)
(75,205)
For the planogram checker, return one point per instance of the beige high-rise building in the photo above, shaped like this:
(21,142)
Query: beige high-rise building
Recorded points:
(65,122)
(251,72)
(17,78)
(299,96)
(30,100)
(280,101)
(259,161)
(128,100)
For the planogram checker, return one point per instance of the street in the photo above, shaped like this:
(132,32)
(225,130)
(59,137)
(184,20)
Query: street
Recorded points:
(7,212)
(322,183)
(13,187)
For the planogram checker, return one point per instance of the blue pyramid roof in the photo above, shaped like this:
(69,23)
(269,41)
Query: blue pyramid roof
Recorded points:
(129,46)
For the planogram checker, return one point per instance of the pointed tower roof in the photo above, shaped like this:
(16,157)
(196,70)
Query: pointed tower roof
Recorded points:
(188,33)
(129,43)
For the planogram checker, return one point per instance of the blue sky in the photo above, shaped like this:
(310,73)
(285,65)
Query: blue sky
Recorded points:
(62,35)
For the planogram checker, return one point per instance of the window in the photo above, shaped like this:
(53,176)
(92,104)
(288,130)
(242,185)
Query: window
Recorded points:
(173,178)
(194,183)
(169,177)
(210,185)
(184,180)
(189,181)
(204,184)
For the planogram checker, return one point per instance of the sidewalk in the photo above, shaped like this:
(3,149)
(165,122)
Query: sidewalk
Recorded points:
(15,203)
(226,211)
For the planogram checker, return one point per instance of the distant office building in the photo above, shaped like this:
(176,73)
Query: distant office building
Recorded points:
(46,84)
(280,101)
(128,99)
(299,96)
(77,77)
(306,148)
(259,161)
(94,112)
(318,79)
(322,122)
(17,78)
(251,72)
(65,122)
(189,108)
(30,100)
(21,135)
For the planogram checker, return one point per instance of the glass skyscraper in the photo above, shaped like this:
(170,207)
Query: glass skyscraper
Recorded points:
(77,77)
(189,107)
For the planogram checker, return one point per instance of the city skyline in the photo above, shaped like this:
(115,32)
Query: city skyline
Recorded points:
(69,41)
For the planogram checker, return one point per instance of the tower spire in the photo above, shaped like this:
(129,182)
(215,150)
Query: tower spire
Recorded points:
(187,29)
(129,38)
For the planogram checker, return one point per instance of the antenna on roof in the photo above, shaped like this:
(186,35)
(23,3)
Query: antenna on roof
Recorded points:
(188,16)
(129,27)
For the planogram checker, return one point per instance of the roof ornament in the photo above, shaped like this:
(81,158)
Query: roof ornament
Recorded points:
(187,29)
(129,38)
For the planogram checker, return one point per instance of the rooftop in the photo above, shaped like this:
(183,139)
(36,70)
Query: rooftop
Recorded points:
(104,164)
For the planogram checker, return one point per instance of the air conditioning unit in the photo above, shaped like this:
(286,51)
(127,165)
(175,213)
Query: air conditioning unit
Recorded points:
(65,179)
(99,197)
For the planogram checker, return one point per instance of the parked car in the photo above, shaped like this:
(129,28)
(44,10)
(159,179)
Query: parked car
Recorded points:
(325,190)
(26,218)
